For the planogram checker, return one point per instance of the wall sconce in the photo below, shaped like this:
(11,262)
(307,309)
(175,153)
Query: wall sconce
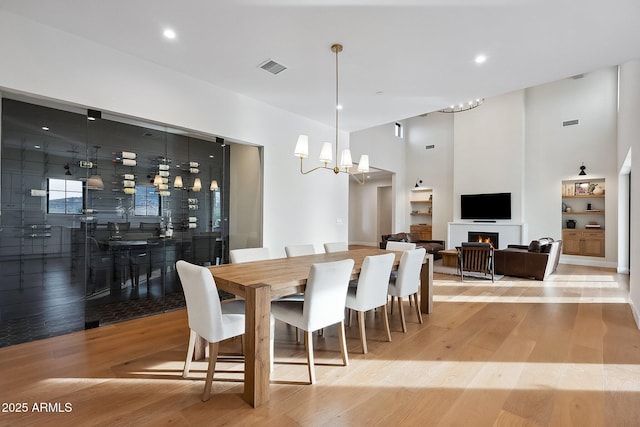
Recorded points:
(582,168)
(197,185)
(418,183)
(177,183)
(214,185)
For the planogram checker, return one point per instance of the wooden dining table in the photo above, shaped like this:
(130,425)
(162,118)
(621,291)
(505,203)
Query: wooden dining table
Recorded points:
(259,282)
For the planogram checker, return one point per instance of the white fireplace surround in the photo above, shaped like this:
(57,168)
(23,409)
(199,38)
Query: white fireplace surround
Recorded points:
(509,233)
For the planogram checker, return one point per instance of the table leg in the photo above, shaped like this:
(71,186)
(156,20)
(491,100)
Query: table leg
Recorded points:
(257,335)
(426,285)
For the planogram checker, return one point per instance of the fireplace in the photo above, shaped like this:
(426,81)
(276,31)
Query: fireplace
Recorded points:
(484,236)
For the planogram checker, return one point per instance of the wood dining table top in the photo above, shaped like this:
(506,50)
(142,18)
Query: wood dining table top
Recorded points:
(285,275)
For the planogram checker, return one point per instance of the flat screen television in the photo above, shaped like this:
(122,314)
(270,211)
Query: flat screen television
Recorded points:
(485,206)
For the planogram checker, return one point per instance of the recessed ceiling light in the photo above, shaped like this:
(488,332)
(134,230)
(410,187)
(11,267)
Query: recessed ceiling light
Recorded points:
(37,147)
(481,59)
(339,107)
(45,128)
(169,34)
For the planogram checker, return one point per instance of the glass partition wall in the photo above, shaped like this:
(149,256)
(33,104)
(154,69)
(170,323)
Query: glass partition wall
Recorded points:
(95,212)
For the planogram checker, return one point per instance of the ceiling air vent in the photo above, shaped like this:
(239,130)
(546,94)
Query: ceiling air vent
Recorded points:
(272,66)
(570,122)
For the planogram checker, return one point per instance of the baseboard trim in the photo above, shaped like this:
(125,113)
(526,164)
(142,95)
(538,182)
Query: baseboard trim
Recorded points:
(586,261)
(634,312)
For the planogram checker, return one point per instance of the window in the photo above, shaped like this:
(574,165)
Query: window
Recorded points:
(399,132)
(65,196)
(147,201)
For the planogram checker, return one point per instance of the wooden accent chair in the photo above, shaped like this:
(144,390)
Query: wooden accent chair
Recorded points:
(476,257)
(323,305)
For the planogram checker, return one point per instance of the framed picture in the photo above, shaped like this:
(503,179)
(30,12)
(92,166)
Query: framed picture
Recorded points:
(582,188)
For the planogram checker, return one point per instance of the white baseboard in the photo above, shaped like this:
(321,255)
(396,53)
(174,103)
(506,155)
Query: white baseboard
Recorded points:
(636,315)
(365,243)
(587,261)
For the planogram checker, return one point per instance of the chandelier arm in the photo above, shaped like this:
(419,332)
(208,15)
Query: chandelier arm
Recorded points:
(355,176)
(311,170)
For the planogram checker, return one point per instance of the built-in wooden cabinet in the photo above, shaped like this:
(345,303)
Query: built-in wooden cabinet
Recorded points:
(424,231)
(583,242)
(583,217)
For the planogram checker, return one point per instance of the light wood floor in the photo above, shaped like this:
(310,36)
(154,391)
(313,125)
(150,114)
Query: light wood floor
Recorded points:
(564,352)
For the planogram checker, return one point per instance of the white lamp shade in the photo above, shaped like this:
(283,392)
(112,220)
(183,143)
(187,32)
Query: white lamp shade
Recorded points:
(214,185)
(346,161)
(129,190)
(197,185)
(157,180)
(363,165)
(325,154)
(302,147)
(177,183)
(95,183)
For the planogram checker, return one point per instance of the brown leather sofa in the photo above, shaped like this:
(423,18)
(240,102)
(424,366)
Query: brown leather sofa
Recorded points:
(538,260)
(432,246)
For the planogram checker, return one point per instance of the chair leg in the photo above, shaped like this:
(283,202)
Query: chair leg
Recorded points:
(415,297)
(386,322)
(213,356)
(191,347)
(392,298)
(401,310)
(343,344)
(363,334)
(308,341)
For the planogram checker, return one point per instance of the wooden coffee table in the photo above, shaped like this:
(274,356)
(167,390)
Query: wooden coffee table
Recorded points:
(449,257)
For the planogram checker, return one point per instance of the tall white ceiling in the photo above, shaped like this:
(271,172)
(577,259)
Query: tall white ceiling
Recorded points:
(401,58)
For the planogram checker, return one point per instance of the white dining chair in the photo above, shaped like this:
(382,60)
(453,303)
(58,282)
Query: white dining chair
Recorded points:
(400,246)
(323,306)
(371,292)
(407,281)
(336,247)
(249,254)
(299,250)
(209,318)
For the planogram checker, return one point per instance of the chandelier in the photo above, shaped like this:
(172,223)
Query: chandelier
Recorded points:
(302,146)
(463,107)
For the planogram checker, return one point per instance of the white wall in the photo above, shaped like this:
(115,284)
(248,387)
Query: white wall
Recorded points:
(363,211)
(433,166)
(44,62)
(629,140)
(489,151)
(554,152)
(386,152)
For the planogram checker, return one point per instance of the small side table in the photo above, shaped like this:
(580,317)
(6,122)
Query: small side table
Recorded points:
(449,257)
